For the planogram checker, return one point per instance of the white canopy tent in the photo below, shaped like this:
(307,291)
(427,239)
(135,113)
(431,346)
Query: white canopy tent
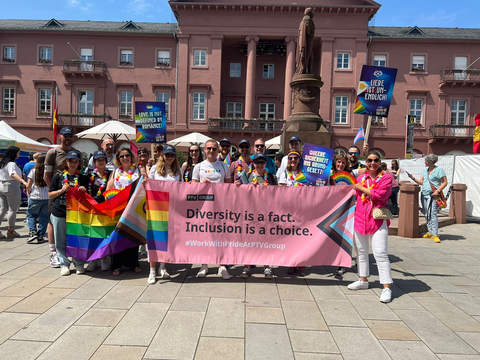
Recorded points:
(113,129)
(274,143)
(22,141)
(189,139)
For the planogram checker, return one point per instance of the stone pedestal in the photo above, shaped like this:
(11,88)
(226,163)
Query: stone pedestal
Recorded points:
(458,203)
(305,121)
(408,215)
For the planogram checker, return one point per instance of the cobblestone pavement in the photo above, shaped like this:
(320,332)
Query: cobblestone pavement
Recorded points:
(435,312)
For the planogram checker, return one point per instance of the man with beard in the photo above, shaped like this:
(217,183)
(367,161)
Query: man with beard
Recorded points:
(244,163)
(353,154)
(54,165)
(224,153)
(108,145)
(259,148)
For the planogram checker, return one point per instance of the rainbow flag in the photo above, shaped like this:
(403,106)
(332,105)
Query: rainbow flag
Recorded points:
(90,224)
(157,220)
(301,179)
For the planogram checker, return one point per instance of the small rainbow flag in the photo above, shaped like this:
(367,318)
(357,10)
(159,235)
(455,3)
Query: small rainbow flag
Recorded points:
(157,220)
(301,179)
(90,225)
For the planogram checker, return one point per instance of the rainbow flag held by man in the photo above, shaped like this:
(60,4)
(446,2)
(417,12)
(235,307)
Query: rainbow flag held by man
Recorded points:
(90,225)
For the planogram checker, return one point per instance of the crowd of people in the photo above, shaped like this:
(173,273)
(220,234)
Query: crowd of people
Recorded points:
(47,179)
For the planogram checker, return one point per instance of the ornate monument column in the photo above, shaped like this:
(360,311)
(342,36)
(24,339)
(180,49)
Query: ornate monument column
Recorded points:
(305,120)
(289,71)
(250,75)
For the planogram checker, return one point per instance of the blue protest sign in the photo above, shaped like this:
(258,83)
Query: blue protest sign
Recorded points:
(375,90)
(317,162)
(150,122)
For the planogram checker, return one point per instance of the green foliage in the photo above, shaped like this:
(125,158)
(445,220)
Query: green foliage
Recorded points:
(181,157)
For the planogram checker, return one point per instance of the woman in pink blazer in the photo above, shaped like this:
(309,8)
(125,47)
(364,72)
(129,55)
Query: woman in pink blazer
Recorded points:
(372,190)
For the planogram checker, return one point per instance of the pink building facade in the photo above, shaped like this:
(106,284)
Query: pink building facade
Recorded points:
(225,69)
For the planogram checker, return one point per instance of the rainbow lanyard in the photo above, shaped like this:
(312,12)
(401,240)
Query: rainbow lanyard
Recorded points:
(299,180)
(75,179)
(265,177)
(92,180)
(239,167)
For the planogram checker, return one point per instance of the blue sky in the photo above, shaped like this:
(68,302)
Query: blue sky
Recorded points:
(431,13)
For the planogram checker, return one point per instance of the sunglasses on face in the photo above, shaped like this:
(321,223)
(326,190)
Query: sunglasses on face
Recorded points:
(293,158)
(244,147)
(109,145)
(225,145)
(261,163)
(142,152)
(212,149)
(194,151)
(260,146)
(169,155)
(353,153)
(377,160)
(124,156)
(68,136)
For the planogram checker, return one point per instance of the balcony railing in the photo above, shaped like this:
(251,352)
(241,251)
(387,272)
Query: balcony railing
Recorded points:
(451,75)
(77,68)
(81,120)
(239,124)
(451,131)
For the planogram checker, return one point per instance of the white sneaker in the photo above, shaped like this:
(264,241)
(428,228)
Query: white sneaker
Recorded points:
(222,271)
(163,273)
(143,251)
(80,269)
(54,262)
(92,265)
(386,296)
(65,270)
(151,277)
(245,273)
(358,285)
(105,266)
(203,271)
(268,273)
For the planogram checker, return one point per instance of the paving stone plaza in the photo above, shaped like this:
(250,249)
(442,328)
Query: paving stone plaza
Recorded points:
(434,314)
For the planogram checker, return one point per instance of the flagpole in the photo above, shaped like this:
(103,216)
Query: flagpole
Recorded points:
(55,115)
(367,132)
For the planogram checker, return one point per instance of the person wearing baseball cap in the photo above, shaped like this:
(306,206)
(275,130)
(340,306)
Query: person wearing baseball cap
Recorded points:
(54,165)
(244,162)
(294,144)
(59,186)
(224,153)
(259,148)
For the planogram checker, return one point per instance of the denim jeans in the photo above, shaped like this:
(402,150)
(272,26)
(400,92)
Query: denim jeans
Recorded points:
(37,209)
(394,199)
(430,210)
(60,234)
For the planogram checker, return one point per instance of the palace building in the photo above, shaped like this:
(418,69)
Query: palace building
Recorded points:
(224,70)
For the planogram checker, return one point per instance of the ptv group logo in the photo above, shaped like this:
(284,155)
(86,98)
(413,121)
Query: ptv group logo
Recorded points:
(201,197)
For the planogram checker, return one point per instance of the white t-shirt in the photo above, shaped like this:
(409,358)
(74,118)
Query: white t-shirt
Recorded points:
(8,170)
(38,193)
(216,171)
(283,178)
(168,177)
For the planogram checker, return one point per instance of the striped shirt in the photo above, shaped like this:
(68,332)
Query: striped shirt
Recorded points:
(38,193)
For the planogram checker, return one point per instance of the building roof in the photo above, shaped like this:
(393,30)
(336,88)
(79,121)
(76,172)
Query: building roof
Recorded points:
(96,26)
(417,32)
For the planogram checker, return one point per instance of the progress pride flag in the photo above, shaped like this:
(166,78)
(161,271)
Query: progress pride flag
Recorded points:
(226,224)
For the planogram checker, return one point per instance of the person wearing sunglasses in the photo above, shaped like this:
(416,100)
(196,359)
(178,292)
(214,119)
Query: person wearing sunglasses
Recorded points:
(260,148)
(294,144)
(166,169)
(354,154)
(124,175)
(224,151)
(142,154)
(372,191)
(194,157)
(244,162)
(108,145)
(212,171)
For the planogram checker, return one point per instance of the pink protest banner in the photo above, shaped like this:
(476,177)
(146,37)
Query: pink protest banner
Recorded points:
(227,224)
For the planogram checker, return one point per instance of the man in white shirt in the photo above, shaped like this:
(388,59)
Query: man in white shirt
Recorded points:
(294,144)
(212,171)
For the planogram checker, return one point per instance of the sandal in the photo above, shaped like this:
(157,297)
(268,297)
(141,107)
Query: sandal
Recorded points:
(116,272)
(138,269)
(12,234)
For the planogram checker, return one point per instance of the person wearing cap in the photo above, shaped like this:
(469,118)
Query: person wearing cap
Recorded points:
(294,144)
(212,171)
(224,153)
(124,175)
(244,163)
(108,145)
(59,186)
(260,177)
(259,148)
(97,184)
(54,164)
(166,169)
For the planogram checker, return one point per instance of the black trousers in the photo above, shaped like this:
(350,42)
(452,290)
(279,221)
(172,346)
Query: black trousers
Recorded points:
(127,258)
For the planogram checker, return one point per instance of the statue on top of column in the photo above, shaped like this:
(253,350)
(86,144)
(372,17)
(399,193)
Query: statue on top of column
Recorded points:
(306,32)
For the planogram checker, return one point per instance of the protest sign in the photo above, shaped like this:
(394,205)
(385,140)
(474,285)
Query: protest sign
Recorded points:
(375,90)
(150,122)
(317,162)
(225,224)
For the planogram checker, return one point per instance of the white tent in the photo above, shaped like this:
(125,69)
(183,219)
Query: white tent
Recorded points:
(189,139)
(22,141)
(274,143)
(113,129)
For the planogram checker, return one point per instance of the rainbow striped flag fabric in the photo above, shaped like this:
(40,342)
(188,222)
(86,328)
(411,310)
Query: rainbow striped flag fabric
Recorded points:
(157,220)
(90,225)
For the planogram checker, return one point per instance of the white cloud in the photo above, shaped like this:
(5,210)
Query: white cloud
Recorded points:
(80,5)
(140,7)
(440,19)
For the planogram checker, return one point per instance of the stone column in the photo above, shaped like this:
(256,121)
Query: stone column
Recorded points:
(408,215)
(289,71)
(458,203)
(250,76)
(183,71)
